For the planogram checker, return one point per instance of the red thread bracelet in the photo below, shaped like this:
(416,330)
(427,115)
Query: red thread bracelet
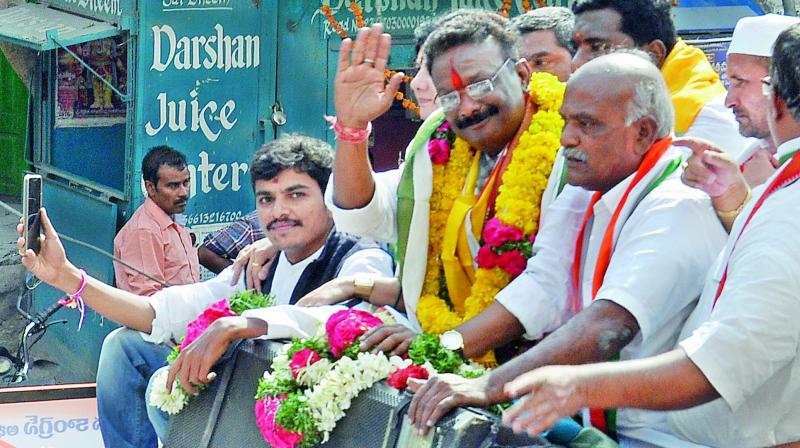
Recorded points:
(346,134)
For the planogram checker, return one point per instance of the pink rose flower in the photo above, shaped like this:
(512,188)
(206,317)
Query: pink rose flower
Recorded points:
(272,432)
(444,127)
(486,258)
(495,233)
(199,325)
(303,359)
(439,151)
(512,262)
(399,378)
(344,327)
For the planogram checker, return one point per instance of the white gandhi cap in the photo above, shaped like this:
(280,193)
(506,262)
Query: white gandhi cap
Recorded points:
(755,36)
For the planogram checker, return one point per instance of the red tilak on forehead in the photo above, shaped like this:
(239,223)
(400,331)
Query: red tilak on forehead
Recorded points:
(274,180)
(458,84)
(578,39)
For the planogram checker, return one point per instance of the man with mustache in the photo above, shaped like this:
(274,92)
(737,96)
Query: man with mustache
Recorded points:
(711,170)
(481,86)
(695,88)
(151,240)
(615,270)
(314,259)
(734,373)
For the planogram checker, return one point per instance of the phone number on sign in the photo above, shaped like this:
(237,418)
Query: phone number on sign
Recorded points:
(212,218)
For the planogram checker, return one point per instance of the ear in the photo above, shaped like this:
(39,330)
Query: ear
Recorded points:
(150,187)
(657,50)
(646,134)
(524,72)
(778,106)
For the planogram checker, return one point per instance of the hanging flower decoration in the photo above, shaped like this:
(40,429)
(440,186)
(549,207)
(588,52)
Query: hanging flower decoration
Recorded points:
(337,28)
(507,237)
(505,9)
(358,13)
(526,5)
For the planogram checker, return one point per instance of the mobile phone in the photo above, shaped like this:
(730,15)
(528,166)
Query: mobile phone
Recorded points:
(31,204)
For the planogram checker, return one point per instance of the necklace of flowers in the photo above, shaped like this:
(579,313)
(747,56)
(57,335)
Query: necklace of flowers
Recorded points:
(313,381)
(508,235)
(174,402)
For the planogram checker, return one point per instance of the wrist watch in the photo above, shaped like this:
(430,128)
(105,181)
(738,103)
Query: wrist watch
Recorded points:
(362,285)
(452,340)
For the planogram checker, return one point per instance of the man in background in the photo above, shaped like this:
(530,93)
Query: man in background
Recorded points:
(546,40)
(151,241)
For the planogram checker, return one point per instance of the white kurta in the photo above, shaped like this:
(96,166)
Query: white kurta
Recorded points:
(748,346)
(176,306)
(663,247)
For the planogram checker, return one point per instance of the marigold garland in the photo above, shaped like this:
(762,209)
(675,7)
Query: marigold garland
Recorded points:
(504,10)
(337,28)
(525,177)
(358,13)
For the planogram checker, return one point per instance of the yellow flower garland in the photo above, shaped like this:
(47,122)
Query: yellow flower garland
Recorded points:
(525,178)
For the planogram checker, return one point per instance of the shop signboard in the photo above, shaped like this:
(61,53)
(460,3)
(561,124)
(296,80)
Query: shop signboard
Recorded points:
(206,77)
(112,11)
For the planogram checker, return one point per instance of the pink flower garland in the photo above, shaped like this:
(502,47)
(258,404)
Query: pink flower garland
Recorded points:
(198,326)
(273,433)
(303,359)
(439,145)
(399,378)
(510,258)
(344,327)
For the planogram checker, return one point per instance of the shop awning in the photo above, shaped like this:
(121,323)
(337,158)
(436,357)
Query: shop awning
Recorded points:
(39,27)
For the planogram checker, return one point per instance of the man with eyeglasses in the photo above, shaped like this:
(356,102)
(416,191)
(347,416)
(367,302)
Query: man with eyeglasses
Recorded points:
(695,88)
(481,86)
(611,276)
(735,371)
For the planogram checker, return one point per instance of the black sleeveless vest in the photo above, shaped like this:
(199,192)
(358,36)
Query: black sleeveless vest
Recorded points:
(338,247)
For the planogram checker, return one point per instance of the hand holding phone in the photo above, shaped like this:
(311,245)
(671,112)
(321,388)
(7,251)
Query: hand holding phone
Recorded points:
(31,204)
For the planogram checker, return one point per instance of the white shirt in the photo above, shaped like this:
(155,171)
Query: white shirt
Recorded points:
(289,274)
(663,246)
(176,306)
(717,124)
(748,346)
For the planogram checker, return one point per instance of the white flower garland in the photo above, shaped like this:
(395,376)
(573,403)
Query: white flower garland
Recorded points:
(169,402)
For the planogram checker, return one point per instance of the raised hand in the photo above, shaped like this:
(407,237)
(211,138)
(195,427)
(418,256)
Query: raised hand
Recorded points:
(50,265)
(360,92)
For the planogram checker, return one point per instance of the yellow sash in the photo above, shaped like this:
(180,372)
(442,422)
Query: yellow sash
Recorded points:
(457,258)
(691,81)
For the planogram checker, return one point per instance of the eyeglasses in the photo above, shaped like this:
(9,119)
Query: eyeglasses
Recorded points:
(477,90)
(766,85)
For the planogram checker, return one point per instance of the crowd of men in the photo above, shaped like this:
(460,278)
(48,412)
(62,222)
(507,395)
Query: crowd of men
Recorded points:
(665,241)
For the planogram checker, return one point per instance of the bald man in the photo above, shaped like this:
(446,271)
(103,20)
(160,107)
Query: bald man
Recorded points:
(599,286)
